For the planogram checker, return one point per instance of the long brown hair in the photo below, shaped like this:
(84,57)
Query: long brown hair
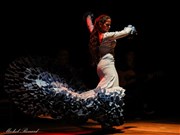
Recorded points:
(94,42)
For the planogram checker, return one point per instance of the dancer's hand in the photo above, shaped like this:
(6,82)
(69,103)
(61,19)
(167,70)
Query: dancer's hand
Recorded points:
(88,14)
(133,31)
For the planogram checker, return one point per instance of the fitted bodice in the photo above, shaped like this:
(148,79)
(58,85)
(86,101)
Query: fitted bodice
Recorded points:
(107,46)
(103,50)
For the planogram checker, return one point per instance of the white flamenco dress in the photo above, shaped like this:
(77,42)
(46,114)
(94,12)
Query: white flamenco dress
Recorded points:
(37,91)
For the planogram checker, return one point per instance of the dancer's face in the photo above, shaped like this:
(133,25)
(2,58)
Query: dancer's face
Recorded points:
(106,26)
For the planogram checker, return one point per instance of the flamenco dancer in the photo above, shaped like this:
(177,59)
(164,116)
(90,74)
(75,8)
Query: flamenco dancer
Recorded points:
(37,91)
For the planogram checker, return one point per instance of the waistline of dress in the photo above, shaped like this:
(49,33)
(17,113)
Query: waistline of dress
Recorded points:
(107,56)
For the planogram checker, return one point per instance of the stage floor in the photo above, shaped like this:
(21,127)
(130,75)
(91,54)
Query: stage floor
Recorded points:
(51,127)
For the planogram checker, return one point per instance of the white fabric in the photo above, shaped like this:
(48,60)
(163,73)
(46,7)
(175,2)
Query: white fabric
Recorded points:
(106,67)
(107,73)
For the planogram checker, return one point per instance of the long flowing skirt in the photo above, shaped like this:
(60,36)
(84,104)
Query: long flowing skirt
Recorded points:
(37,91)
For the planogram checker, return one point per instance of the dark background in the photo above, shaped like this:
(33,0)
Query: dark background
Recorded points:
(43,28)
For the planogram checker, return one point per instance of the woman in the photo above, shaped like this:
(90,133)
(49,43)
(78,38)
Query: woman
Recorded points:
(102,44)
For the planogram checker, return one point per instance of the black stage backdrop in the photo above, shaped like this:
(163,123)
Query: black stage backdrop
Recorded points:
(35,28)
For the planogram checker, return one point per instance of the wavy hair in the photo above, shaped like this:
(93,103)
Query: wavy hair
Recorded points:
(94,41)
